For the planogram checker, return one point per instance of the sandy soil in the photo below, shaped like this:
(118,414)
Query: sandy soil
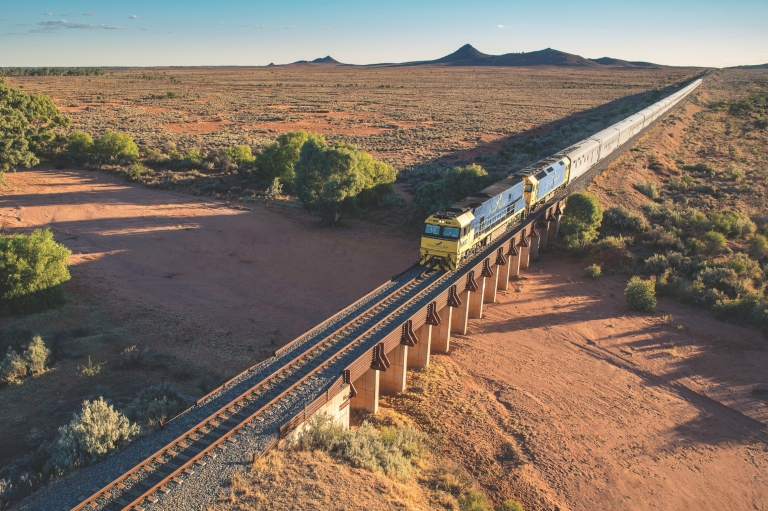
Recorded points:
(618,410)
(236,268)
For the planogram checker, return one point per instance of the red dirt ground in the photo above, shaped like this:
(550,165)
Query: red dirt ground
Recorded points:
(623,411)
(239,269)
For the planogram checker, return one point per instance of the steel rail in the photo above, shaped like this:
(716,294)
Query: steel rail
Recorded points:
(294,364)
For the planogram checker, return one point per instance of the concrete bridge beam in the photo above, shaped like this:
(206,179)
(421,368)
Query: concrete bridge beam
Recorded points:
(476,301)
(459,322)
(524,247)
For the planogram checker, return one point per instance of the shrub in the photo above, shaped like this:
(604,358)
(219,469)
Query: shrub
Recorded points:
(474,501)
(32,267)
(392,201)
(136,170)
(36,356)
(510,505)
(623,219)
(80,142)
(278,159)
(156,405)
(581,219)
(391,450)
(116,146)
(193,159)
(133,356)
(13,369)
(94,433)
(714,242)
(641,294)
(758,246)
(702,167)
(648,188)
(593,272)
(240,154)
(656,264)
(733,224)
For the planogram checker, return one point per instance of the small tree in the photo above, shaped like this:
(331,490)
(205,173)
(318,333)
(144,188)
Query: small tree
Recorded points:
(31,270)
(80,142)
(278,159)
(116,146)
(36,356)
(715,242)
(582,218)
(240,154)
(641,294)
(593,272)
(94,433)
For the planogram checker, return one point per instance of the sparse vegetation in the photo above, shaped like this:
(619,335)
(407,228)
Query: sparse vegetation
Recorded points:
(95,433)
(648,188)
(593,272)
(582,218)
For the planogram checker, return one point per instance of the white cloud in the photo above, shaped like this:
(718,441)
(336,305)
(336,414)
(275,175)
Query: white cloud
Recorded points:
(50,26)
(49,14)
(134,17)
(500,26)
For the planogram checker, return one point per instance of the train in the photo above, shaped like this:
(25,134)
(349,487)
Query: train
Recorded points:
(452,235)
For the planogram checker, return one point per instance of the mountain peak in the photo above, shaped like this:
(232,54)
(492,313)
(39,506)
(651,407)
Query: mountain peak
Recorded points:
(463,54)
(326,60)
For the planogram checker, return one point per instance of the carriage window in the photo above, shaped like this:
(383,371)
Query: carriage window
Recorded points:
(432,229)
(450,232)
(528,188)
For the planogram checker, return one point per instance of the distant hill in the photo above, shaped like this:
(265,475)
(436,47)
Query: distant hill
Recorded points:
(323,60)
(757,66)
(468,55)
(608,61)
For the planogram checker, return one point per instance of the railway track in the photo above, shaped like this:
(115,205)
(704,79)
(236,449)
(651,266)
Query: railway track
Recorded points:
(169,465)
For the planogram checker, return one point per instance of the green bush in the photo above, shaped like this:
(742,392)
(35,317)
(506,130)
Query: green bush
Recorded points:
(391,451)
(733,224)
(36,356)
(473,500)
(392,201)
(13,368)
(455,184)
(278,159)
(137,170)
(80,142)
(94,433)
(240,154)
(641,294)
(116,146)
(193,159)
(656,264)
(510,505)
(156,405)
(623,219)
(32,268)
(648,188)
(330,178)
(583,215)
(593,272)
(758,246)
(715,242)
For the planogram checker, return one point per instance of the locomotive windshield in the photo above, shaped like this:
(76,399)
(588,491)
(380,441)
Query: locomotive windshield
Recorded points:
(433,230)
(451,232)
(447,232)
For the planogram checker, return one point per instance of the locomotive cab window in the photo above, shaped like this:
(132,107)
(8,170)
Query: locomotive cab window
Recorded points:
(528,188)
(451,232)
(433,230)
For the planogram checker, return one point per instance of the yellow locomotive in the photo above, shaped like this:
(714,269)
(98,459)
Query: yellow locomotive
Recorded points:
(450,236)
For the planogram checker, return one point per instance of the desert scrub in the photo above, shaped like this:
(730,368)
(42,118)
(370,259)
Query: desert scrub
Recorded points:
(623,219)
(648,188)
(473,500)
(641,294)
(583,216)
(392,451)
(94,433)
(593,272)
(136,171)
(14,367)
(32,269)
(156,405)
(510,505)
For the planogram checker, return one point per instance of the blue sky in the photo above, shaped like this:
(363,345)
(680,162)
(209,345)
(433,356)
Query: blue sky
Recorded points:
(238,32)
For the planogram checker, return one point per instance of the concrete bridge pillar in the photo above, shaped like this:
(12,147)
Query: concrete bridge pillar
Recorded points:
(524,247)
(418,356)
(490,273)
(393,380)
(441,334)
(513,256)
(558,216)
(533,249)
(367,387)
(544,233)
(502,271)
(476,301)
(459,324)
